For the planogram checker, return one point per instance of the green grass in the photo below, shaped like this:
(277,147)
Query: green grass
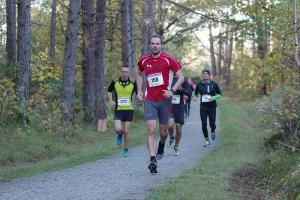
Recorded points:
(209,179)
(27,152)
(280,174)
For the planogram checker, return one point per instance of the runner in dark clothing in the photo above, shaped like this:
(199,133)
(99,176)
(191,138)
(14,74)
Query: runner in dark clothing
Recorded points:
(189,99)
(177,114)
(210,92)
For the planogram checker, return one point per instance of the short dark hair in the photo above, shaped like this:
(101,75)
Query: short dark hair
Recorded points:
(206,70)
(155,36)
(125,66)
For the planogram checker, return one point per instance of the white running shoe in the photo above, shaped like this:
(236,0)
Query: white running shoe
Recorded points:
(176,151)
(207,142)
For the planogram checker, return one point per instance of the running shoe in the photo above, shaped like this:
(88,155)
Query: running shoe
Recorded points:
(159,156)
(207,142)
(153,167)
(176,151)
(119,139)
(125,152)
(171,140)
(213,136)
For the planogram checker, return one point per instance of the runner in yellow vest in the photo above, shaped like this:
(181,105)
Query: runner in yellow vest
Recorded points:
(123,90)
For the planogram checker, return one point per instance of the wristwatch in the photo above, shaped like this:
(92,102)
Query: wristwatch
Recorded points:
(172,91)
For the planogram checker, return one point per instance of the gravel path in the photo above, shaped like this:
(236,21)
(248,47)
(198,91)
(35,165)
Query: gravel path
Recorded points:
(114,177)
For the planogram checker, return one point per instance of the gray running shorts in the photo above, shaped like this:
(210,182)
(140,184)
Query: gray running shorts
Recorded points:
(161,110)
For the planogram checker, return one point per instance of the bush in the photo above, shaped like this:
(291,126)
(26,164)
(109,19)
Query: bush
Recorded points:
(281,113)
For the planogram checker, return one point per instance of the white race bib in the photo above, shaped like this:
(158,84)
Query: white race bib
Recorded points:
(123,101)
(175,99)
(205,98)
(155,79)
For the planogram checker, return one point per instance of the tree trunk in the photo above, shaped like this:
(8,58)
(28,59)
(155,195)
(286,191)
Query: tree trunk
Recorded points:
(53,31)
(125,29)
(212,51)
(88,61)
(228,56)
(11,49)
(296,28)
(128,45)
(69,63)
(147,24)
(132,39)
(100,112)
(220,50)
(24,54)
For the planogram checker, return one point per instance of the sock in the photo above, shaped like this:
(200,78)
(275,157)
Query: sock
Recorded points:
(161,147)
(153,159)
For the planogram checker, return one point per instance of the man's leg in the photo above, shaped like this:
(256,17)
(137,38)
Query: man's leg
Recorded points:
(179,121)
(164,113)
(151,125)
(119,131)
(163,130)
(171,131)
(178,134)
(126,132)
(150,116)
(204,114)
(212,121)
(177,138)
(189,104)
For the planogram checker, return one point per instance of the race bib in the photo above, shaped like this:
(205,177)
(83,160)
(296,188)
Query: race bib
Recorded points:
(205,98)
(175,99)
(123,101)
(155,79)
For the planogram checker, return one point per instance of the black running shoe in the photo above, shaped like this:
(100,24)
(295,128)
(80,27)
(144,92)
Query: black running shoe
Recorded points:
(153,167)
(213,136)
(171,140)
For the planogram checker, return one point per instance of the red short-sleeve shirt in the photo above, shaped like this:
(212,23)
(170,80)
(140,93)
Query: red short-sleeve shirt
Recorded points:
(159,74)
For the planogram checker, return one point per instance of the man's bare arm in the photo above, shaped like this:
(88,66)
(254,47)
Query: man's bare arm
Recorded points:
(139,82)
(179,81)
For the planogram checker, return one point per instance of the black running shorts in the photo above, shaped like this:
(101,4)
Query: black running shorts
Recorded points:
(124,115)
(178,114)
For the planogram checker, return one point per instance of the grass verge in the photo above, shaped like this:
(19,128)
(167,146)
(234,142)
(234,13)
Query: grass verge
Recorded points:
(24,153)
(209,179)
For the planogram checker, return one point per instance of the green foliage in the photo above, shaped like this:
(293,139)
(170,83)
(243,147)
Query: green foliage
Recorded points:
(281,113)
(10,111)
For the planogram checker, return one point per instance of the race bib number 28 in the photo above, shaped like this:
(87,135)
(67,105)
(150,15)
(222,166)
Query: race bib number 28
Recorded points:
(155,79)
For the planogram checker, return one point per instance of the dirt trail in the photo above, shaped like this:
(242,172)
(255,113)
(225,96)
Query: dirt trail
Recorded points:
(114,177)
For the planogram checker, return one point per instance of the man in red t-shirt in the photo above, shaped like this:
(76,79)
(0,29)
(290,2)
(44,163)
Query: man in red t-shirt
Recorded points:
(159,69)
